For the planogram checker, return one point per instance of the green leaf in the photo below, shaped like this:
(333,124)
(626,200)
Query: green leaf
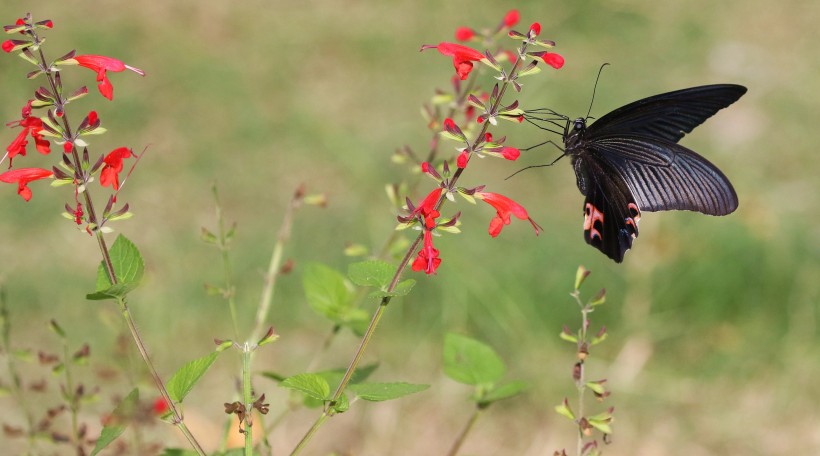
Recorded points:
(564,410)
(328,293)
(186,377)
(334,376)
(342,404)
(371,273)
(505,391)
(312,385)
(471,362)
(385,391)
(120,418)
(128,267)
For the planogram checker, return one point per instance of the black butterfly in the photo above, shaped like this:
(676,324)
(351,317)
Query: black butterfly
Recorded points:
(629,161)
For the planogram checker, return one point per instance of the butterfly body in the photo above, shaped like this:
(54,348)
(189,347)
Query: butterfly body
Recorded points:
(629,161)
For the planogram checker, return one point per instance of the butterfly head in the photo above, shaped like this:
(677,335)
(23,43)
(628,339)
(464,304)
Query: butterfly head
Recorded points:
(574,133)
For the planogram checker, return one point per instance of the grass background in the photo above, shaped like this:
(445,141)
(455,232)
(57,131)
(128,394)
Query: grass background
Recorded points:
(713,346)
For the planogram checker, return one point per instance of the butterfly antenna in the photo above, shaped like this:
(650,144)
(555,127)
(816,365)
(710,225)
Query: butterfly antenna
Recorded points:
(595,88)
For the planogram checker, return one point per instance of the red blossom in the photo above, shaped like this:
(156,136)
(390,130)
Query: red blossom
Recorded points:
(535,28)
(464,33)
(22,177)
(8,45)
(462,159)
(552,59)
(463,57)
(113,166)
(160,407)
(427,209)
(504,208)
(510,153)
(31,125)
(101,65)
(511,18)
(427,259)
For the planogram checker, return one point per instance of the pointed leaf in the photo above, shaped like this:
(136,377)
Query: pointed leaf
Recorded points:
(186,377)
(312,385)
(327,292)
(120,418)
(372,273)
(505,391)
(471,362)
(128,267)
(385,391)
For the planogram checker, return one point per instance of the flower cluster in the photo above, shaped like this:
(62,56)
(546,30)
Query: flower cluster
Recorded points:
(76,167)
(481,110)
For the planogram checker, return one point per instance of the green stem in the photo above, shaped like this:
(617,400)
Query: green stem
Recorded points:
(247,397)
(464,432)
(226,264)
(71,397)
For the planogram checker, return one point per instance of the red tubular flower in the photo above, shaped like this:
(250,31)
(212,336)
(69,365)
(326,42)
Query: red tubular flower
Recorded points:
(504,208)
(8,45)
(160,407)
(464,33)
(427,209)
(552,59)
(22,177)
(510,153)
(33,126)
(110,174)
(101,65)
(463,57)
(428,259)
(512,18)
(462,159)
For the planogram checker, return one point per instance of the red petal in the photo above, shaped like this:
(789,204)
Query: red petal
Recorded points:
(535,27)
(463,68)
(106,89)
(554,60)
(464,33)
(462,159)
(512,18)
(8,45)
(511,153)
(459,51)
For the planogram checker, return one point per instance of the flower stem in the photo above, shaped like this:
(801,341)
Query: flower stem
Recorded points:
(83,179)
(464,432)
(374,321)
(247,397)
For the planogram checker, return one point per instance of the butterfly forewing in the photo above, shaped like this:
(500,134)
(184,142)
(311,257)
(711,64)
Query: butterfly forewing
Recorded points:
(669,115)
(665,176)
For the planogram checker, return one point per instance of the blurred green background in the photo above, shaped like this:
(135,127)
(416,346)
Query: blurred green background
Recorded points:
(713,346)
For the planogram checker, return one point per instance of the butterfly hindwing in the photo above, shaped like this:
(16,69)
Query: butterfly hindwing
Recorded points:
(668,115)
(611,214)
(663,176)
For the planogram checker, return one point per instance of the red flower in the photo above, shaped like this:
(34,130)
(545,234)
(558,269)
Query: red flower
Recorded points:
(8,45)
(462,159)
(101,65)
(31,125)
(427,209)
(428,259)
(504,208)
(464,33)
(113,166)
(510,153)
(552,59)
(463,57)
(535,28)
(160,407)
(512,18)
(22,177)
